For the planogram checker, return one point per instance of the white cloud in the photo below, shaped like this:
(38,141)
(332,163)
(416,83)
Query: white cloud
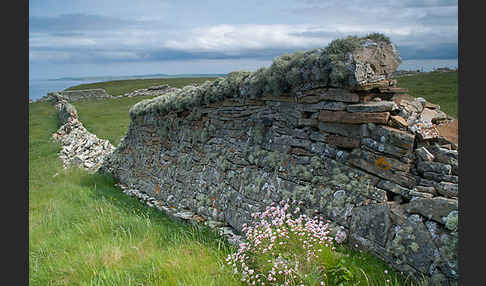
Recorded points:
(169,32)
(231,38)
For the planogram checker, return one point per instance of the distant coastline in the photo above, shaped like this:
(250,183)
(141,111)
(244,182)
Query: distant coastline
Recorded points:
(108,78)
(40,87)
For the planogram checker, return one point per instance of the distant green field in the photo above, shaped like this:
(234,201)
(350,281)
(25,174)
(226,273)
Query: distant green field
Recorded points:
(120,87)
(436,87)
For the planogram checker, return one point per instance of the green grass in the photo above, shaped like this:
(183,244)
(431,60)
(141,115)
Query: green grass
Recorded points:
(84,231)
(108,119)
(436,87)
(120,87)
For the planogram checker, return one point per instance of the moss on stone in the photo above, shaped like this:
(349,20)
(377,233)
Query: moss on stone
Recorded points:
(414,246)
(451,220)
(258,134)
(204,136)
(378,37)
(321,66)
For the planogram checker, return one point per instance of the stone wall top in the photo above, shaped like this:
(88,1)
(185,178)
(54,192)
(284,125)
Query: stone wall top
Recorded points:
(350,63)
(76,95)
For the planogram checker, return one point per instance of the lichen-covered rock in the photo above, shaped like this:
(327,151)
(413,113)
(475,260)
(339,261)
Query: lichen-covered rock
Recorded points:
(347,63)
(79,147)
(371,222)
(412,247)
(434,167)
(433,208)
(77,95)
(448,189)
(151,91)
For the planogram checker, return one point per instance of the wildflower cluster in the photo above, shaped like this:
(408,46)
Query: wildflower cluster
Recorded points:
(283,248)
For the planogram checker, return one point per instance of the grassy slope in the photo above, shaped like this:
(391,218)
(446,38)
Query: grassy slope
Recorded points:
(83,231)
(436,87)
(108,119)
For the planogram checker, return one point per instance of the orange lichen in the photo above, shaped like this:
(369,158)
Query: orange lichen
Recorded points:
(382,163)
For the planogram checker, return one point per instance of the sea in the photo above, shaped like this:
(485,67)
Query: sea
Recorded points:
(40,87)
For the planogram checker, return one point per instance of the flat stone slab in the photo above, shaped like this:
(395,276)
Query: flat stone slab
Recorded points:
(333,94)
(382,168)
(371,222)
(389,135)
(343,141)
(394,188)
(353,117)
(380,106)
(323,105)
(448,189)
(349,130)
(435,167)
(432,208)
(383,147)
(424,154)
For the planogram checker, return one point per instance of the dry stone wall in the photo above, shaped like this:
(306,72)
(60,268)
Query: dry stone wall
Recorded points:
(156,90)
(79,147)
(99,93)
(76,95)
(83,149)
(327,128)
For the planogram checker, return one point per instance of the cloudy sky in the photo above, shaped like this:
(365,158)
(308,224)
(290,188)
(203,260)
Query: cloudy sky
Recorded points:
(126,37)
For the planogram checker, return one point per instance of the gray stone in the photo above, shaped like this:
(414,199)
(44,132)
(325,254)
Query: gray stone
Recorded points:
(447,189)
(381,106)
(371,222)
(424,154)
(432,208)
(394,188)
(348,130)
(435,167)
(413,193)
(319,136)
(383,147)
(428,190)
(389,135)
(441,177)
(353,117)
(412,246)
(332,94)
(427,183)
(381,168)
(323,105)
(443,155)
(77,95)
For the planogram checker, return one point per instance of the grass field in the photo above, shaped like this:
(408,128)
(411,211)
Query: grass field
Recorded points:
(436,87)
(84,231)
